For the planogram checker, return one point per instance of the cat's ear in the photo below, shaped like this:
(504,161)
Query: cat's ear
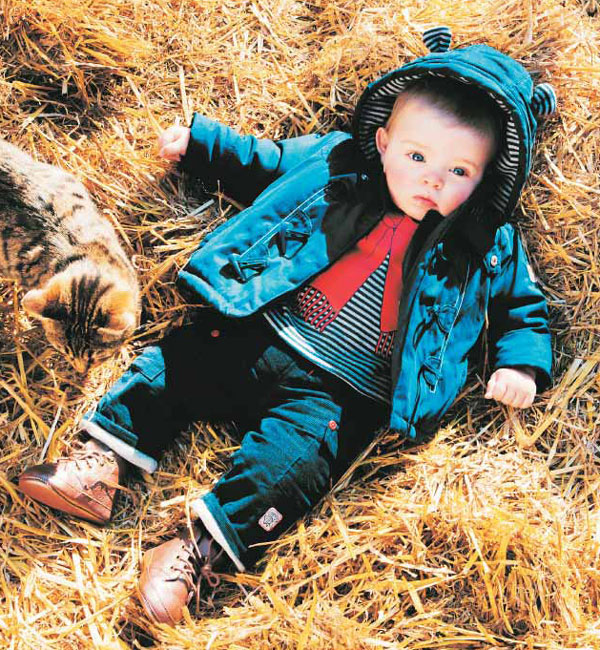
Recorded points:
(43,303)
(35,302)
(122,315)
(117,328)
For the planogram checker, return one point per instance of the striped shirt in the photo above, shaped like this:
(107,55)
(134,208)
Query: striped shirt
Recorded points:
(346,347)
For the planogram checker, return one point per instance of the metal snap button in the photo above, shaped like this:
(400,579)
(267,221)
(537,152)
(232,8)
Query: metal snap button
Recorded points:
(332,425)
(494,260)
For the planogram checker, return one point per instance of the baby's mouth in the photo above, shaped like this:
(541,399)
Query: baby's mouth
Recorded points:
(426,201)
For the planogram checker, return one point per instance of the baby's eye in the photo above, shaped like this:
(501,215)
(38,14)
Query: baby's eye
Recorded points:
(416,156)
(459,171)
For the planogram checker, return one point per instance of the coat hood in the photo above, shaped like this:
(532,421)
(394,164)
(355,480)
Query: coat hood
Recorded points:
(505,80)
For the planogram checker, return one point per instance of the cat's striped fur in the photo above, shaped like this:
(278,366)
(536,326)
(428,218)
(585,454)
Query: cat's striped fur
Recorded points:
(82,287)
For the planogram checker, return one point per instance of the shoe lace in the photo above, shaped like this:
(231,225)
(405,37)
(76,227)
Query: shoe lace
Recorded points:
(84,456)
(88,457)
(192,565)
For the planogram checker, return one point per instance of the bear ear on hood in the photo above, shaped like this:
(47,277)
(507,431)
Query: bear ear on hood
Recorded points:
(437,39)
(543,102)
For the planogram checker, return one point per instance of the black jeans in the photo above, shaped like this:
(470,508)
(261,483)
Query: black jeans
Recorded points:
(303,426)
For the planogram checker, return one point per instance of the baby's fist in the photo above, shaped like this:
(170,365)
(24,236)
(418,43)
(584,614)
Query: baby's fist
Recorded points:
(512,387)
(173,142)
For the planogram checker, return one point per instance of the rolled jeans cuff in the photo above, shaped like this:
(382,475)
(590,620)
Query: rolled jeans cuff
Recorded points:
(117,444)
(208,510)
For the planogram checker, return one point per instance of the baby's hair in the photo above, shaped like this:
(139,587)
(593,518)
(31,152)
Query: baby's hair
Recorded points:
(469,104)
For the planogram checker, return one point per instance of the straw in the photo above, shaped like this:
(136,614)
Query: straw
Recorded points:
(484,536)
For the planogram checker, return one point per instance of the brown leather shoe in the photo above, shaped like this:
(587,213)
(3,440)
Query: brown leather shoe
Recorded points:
(172,573)
(83,484)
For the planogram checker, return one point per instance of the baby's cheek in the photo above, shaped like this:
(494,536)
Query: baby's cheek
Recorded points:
(465,192)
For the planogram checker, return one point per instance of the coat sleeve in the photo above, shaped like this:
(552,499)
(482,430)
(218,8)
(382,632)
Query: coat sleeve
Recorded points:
(518,314)
(243,166)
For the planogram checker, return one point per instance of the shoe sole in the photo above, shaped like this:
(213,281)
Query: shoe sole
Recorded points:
(38,491)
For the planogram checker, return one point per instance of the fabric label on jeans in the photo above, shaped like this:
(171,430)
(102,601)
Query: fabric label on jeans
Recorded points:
(270,519)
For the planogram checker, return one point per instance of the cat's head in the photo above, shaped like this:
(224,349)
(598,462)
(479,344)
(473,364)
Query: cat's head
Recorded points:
(84,315)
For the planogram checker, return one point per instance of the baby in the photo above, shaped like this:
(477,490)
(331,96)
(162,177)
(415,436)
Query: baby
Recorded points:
(348,296)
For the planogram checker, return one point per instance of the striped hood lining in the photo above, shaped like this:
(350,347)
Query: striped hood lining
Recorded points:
(377,109)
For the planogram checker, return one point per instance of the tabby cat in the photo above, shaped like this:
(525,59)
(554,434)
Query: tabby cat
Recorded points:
(82,287)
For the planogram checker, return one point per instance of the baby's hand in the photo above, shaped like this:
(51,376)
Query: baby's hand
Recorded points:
(173,142)
(512,387)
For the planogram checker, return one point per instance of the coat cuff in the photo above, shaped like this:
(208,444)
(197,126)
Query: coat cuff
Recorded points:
(516,350)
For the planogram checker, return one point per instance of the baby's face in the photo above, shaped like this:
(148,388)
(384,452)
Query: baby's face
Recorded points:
(431,161)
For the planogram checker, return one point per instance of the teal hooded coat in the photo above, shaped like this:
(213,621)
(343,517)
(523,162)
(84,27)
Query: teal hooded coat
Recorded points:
(311,198)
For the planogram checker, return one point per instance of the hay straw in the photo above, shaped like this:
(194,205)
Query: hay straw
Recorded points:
(486,536)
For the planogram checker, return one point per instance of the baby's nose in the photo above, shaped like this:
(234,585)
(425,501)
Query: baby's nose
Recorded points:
(433,179)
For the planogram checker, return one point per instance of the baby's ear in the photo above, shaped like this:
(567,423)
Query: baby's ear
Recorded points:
(381,140)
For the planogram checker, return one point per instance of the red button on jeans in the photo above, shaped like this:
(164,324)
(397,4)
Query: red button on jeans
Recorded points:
(332,425)
(215,333)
